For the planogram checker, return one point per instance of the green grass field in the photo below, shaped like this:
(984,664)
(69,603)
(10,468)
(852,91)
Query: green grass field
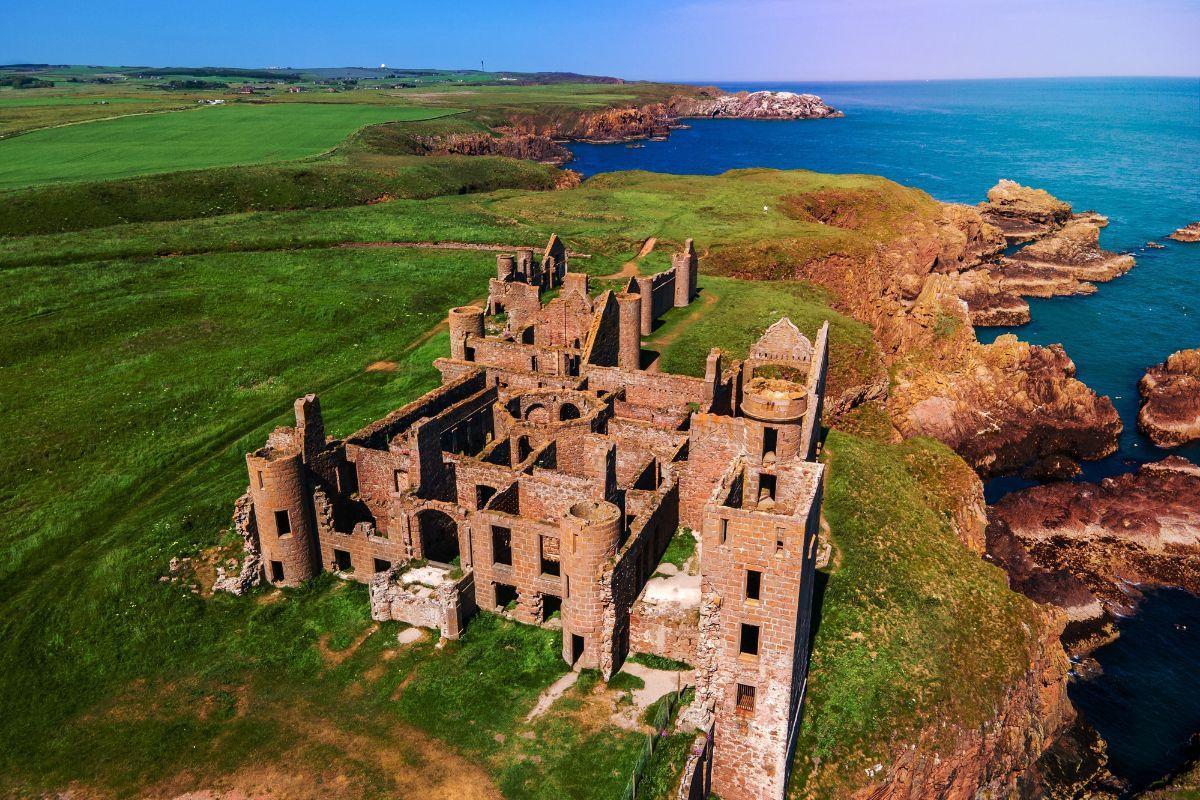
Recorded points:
(193,139)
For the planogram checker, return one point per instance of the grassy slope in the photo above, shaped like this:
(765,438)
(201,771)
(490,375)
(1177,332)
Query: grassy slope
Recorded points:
(194,139)
(610,215)
(915,629)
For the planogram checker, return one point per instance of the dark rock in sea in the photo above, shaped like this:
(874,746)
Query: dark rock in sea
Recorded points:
(1170,413)
(1087,548)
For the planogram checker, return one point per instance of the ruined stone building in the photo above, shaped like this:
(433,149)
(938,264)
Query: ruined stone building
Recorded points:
(544,479)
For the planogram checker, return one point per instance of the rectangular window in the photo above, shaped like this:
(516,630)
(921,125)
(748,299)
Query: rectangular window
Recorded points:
(723,532)
(398,480)
(342,559)
(779,536)
(766,487)
(753,585)
(260,479)
(283,523)
(770,442)
(745,698)
(382,565)
(549,566)
(748,642)
(276,571)
(501,545)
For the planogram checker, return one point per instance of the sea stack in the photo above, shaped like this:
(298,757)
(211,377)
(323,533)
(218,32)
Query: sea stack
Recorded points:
(1170,391)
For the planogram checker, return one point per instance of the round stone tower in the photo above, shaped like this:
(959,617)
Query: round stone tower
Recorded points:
(465,321)
(591,532)
(777,404)
(506,265)
(629,353)
(286,535)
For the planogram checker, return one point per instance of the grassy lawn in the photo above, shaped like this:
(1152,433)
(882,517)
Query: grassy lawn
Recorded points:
(195,139)
(892,654)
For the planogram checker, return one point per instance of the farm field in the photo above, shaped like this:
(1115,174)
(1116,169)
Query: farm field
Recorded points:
(193,139)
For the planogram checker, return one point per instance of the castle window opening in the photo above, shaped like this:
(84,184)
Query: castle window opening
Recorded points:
(779,537)
(723,533)
(551,605)
(753,585)
(766,487)
(283,523)
(501,545)
(439,536)
(770,443)
(260,479)
(568,411)
(506,596)
(483,494)
(745,698)
(549,566)
(382,565)
(748,640)
(276,571)
(399,479)
(343,561)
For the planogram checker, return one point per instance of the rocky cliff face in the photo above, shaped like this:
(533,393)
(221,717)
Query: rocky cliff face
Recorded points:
(1086,547)
(1000,757)
(1004,407)
(1170,413)
(1023,213)
(513,144)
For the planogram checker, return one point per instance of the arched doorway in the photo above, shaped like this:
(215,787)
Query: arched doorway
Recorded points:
(568,411)
(439,536)
(537,414)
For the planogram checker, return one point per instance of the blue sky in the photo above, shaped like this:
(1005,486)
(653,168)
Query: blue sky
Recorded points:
(676,39)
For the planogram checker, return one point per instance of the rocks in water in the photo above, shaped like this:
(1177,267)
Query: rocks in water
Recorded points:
(1087,547)
(760,105)
(1170,413)
(1155,246)
(1064,257)
(1023,213)
(1188,233)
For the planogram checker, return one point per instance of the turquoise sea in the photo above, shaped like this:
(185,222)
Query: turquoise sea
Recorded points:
(1126,147)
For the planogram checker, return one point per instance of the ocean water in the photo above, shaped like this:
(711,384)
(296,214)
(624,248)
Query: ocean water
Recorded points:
(1126,147)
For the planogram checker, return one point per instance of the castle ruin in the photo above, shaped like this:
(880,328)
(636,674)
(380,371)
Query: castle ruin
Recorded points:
(545,478)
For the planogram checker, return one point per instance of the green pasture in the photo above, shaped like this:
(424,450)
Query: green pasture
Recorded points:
(194,139)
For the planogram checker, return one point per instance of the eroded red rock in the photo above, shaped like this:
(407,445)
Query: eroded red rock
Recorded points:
(1170,413)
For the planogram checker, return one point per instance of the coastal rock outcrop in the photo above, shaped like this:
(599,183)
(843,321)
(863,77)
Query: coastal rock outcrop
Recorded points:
(1188,233)
(1023,213)
(757,105)
(1170,413)
(1064,256)
(1006,406)
(1088,547)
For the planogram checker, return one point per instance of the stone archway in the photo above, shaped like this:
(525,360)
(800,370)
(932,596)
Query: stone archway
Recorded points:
(568,411)
(439,535)
(537,413)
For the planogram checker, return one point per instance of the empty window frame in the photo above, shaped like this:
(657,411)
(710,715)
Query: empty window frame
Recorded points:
(283,523)
(723,531)
(276,571)
(753,585)
(342,559)
(501,545)
(382,565)
(748,640)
